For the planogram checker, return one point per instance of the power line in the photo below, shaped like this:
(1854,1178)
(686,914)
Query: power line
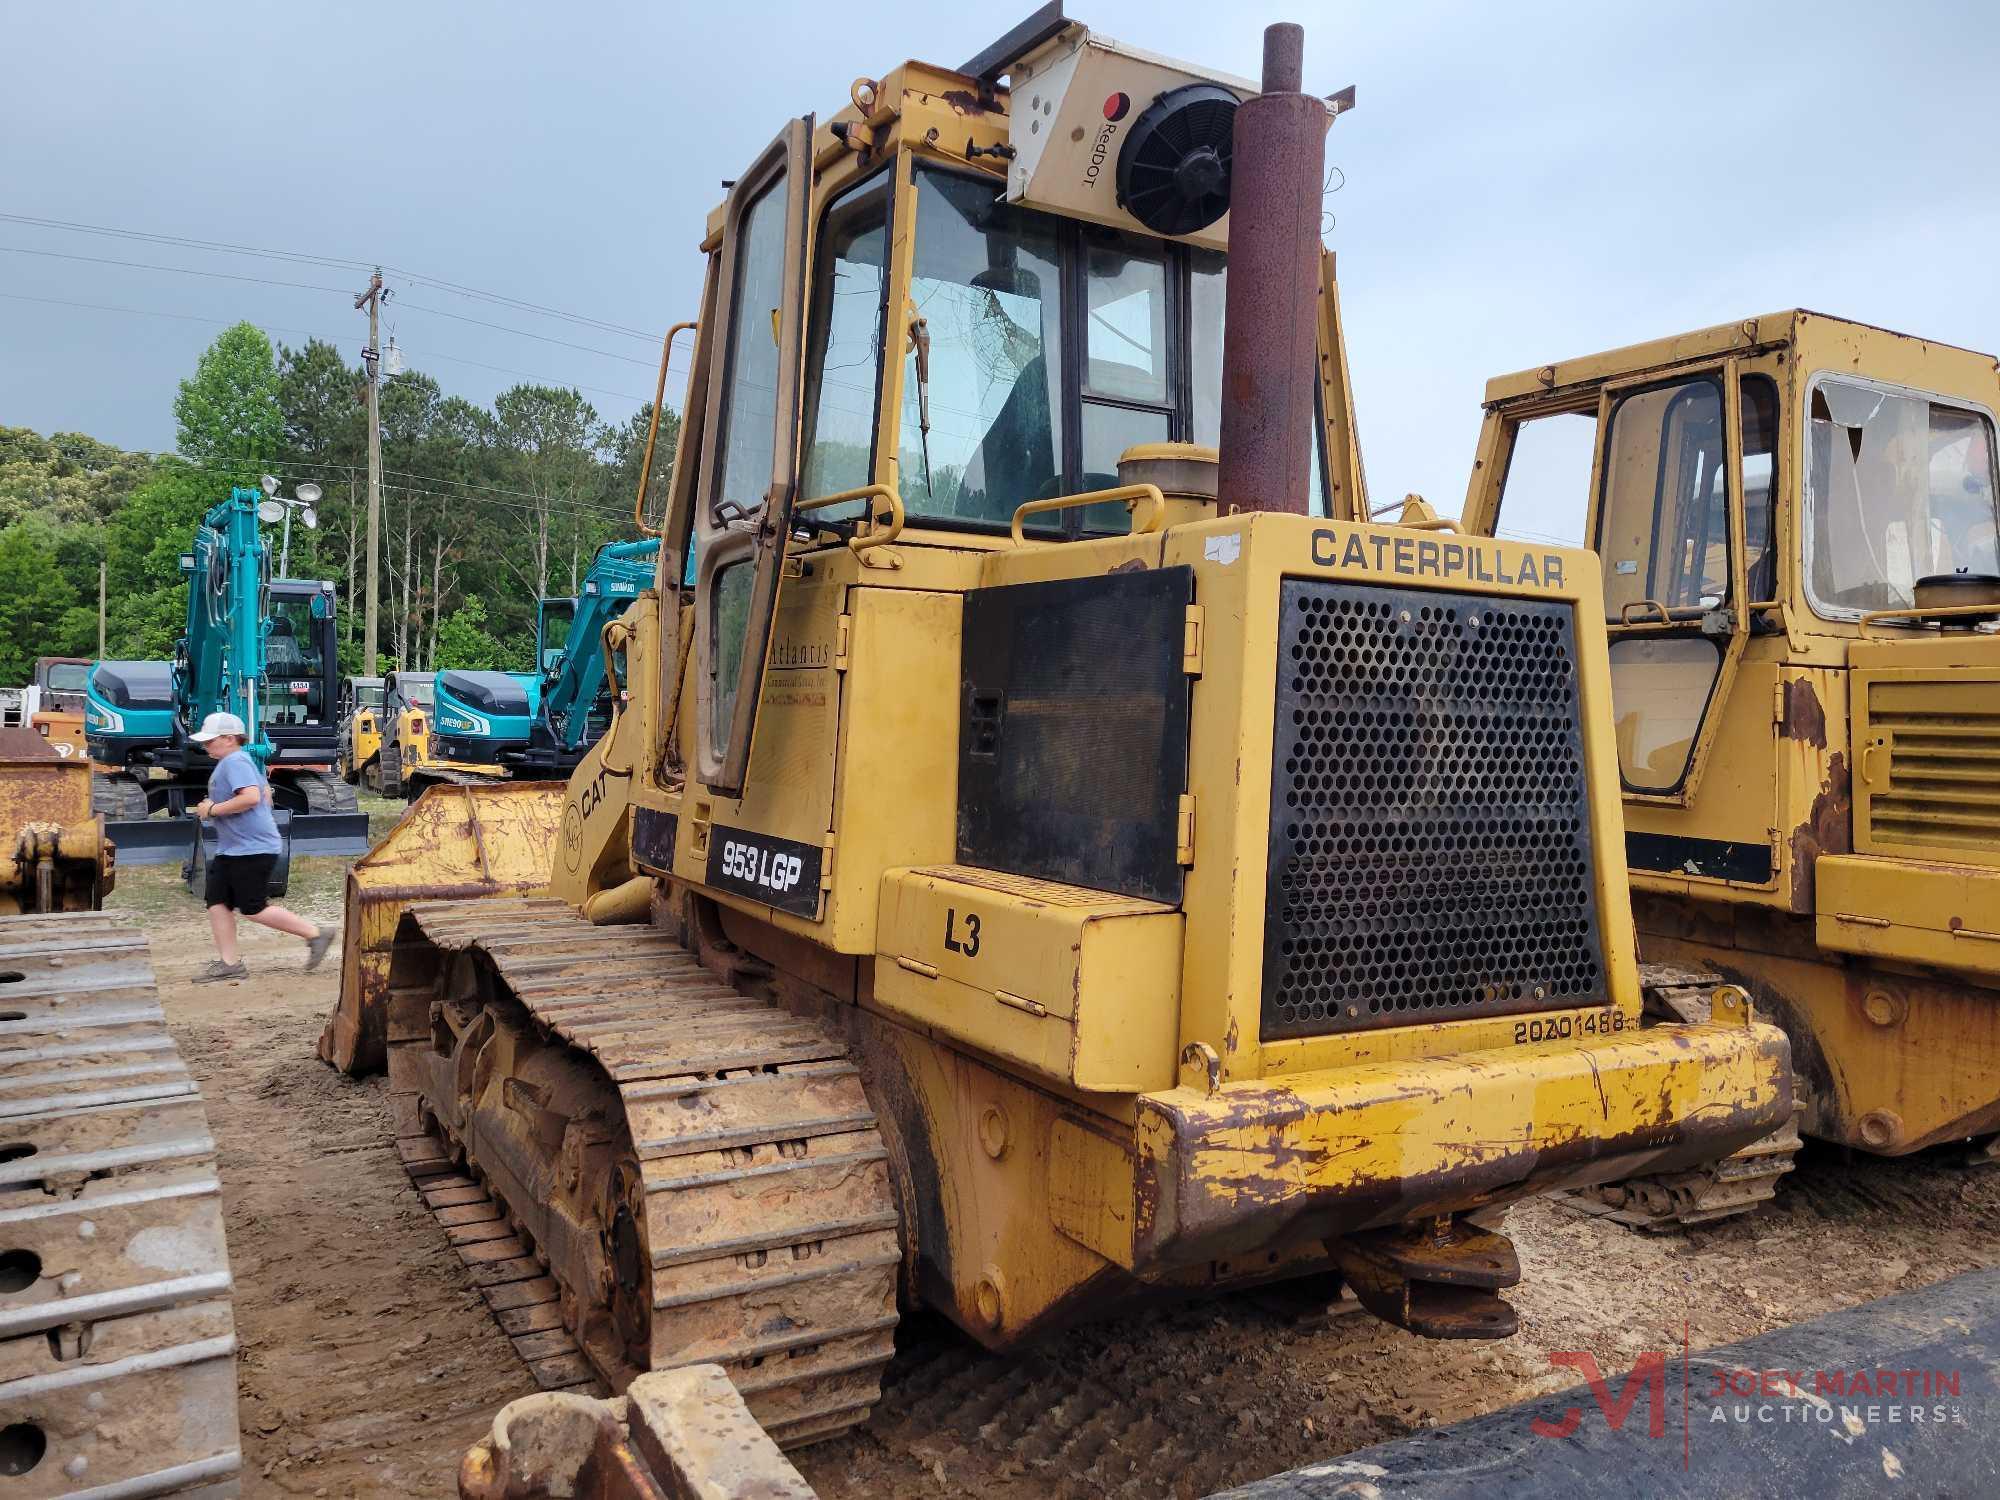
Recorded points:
(148,312)
(438,312)
(525,375)
(331,338)
(141,265)
(187,242)
(573,510)
(228,463)
(310,286)
(223,247)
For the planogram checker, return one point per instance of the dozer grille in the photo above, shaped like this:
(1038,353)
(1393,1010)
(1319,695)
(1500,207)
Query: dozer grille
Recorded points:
(1430,849)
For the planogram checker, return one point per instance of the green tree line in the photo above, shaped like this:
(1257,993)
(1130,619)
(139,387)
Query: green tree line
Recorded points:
(484,509)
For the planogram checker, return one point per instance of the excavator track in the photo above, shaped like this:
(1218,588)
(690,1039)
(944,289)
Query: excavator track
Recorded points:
(118,796)
(326,792)
(117,1340)
(1723,1189)
(644,1168)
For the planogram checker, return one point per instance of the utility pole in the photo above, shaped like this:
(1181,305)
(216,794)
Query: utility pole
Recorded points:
(371,357)
(102,567)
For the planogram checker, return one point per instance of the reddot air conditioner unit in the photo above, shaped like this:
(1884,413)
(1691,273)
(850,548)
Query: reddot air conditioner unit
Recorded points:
(1105,132)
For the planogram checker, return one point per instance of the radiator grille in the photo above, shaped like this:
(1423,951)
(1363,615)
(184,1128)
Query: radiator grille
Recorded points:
(1430,853)
(1944,766)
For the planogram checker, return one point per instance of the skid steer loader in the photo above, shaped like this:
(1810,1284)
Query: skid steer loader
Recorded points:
(1796,516)
(1083,859)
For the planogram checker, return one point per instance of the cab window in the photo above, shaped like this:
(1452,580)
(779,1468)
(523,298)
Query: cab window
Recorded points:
(1053,346)
(850,288)
(749,408)
(987,281)
(1899,486)
(1664,535)
(69,677)
(557,615)
(1545,496)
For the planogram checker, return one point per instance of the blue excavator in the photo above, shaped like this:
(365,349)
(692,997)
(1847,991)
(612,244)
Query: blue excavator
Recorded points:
(262,648)
(575,701)
(538,725)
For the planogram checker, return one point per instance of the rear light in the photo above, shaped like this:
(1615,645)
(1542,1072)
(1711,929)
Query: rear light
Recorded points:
(416,723)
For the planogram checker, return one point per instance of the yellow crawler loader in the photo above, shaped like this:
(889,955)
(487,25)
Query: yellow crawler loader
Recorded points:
(1796,517)
(1081,858)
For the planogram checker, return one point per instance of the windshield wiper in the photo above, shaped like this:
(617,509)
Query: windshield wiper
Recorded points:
(920,341)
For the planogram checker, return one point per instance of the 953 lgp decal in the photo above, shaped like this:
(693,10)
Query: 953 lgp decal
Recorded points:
(781,873)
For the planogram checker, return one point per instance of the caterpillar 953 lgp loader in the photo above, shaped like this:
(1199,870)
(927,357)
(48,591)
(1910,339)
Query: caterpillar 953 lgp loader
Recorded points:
(1796,517)
(1079,870)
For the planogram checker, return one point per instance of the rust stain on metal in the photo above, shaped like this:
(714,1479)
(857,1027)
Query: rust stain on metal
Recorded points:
(1805,719)
(1828,830)
(966,102)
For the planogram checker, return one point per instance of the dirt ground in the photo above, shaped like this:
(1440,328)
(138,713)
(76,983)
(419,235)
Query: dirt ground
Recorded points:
(369,1363)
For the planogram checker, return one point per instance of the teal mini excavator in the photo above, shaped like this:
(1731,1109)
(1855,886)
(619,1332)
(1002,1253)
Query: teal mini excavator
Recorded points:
(264,649)
(539,724)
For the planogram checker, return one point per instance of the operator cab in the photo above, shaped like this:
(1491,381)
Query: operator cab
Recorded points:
(552,626)
(301,653)
(910,345)
(360,695)
(1796,521)
(409,690)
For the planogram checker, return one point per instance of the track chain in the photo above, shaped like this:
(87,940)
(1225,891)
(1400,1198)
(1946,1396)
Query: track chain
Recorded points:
(1736,1184)
(326,792)
(119,797)
(117,1339)
(738,1211)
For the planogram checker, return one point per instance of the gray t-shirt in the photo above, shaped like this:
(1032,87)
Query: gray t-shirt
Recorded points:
(254,830)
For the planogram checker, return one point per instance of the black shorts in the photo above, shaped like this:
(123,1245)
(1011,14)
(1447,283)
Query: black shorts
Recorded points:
(241,882)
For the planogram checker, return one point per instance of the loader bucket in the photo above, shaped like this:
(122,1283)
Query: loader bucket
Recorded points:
(455,843)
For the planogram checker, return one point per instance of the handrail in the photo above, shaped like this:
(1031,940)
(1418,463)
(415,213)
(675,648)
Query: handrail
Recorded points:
(614,637)
(1917,614)
(892,525)
(1435,523)
(1625,613)
(653,430)
(1155,518)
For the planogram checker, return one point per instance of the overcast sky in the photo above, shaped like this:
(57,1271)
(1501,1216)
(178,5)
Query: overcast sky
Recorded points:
(1522,182)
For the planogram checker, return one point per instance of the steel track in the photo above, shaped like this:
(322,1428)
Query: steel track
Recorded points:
(644,1167)
(1737,1184)
(117,1341)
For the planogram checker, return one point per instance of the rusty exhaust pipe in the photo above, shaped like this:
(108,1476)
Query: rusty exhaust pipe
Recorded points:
(1269,348)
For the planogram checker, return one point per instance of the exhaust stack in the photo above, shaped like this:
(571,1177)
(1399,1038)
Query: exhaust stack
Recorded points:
(1269,352)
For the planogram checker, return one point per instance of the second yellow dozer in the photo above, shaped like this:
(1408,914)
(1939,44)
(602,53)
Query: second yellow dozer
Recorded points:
(1797,518)
(1074,869)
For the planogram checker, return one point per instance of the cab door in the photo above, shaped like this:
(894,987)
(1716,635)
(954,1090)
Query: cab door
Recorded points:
(1667,522)
(743,504)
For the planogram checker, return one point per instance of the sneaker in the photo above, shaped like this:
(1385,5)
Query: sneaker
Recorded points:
(316,948)
(218,972)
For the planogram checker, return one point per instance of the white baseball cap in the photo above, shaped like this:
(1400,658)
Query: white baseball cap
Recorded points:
(219,724)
